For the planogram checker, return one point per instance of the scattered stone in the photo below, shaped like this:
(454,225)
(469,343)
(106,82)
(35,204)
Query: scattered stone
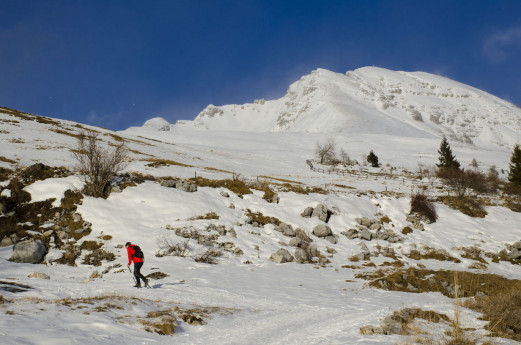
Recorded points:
(232,233)
(301,256)
(322,231)
(286,229)
(281,256)
(351,234)
(370,330)
(320,211)
(331,239)
(366,235)
(294,242)
(39,275)
(303,235)
(29,251)
(93,275)
(307,212)
(170,183)
(224,194)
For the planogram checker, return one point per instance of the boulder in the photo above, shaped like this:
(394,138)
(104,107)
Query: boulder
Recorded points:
(287,230)
(186,186)
(331,239)
(351,234)
(366,235)
(365,221)
(303,235)
(29,251)
(281,256)
(39,275)
(322,231)
(307,212)
(320,211)
(169,183)
(301,256)
(224,194)
(294,242)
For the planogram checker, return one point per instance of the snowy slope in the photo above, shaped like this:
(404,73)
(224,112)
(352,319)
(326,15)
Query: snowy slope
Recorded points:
(253,300)
(374,100)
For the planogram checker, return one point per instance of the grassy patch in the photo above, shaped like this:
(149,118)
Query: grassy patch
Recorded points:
(279,179)
(209,215)
(61,131)
(259,218)
(157,162)
(406,230)
(7,160)
(97,256)
(238,187)
(287,187)
(218,170)
(502,310)
(472,207)
(432,254)
(421,280)
(91,245)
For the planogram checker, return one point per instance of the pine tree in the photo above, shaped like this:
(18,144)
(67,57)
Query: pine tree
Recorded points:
(514,175)
(447,159)
(373,159)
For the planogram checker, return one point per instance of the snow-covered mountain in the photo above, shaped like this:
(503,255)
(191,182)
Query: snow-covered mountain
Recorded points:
(373,100)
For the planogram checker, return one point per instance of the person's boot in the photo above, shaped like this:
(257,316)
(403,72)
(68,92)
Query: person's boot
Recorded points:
(138,285)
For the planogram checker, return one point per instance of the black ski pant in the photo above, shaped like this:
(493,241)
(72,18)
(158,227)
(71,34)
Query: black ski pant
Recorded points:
(137,272)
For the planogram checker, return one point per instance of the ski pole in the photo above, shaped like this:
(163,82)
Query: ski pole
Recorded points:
(135,282)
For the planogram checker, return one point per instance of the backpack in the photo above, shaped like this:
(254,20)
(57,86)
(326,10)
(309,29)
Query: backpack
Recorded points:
(138,253)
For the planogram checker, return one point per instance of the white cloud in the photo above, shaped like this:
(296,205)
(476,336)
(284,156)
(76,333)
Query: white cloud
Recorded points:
(498,46)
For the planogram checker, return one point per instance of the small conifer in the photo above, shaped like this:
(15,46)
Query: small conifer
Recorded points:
(514,175)
(373,159)
(447,159)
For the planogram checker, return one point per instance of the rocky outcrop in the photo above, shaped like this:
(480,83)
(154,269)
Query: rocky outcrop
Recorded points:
(320,211)
(183,185)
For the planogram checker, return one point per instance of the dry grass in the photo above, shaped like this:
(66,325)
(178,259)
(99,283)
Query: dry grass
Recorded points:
(502,310)
(422,280)
(61,131)
(421,204)
(259,218)
(157,162)
(432,254)
(7,160)
(472,207)
(209,215)
(237,186)
(279,179)
(406,230)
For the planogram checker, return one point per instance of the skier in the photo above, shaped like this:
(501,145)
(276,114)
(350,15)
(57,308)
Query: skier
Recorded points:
(136,255)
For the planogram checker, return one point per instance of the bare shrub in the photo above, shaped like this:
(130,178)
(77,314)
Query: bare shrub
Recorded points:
(96,165)
(209,256)
(168,247)
(421,204)
(463,180)
(326,151)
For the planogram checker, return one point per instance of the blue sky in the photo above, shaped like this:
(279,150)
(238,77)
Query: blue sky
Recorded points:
(116,64)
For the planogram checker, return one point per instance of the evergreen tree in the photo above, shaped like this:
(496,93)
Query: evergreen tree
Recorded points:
(373,159)
(514,175)
(447,159)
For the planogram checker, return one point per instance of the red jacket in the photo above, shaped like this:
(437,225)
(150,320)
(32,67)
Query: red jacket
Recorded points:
(131,252)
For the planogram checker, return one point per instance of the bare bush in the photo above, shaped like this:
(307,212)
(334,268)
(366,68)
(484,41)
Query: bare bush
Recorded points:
(96,165)
(421,204)
(168,247)
(209,256)
(326,151)
(463,180)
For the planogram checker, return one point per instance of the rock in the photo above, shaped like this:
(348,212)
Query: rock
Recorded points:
(375,226)
(369,330)
(294,242)
(116,189)
(351,234)
(6,242)
(62,235)
(169,183)
(312,250)
(362,256)
(287,230)
(274,199)
(29,251)
(366,235)
(515,254)
(307,212)
(232,233)
(322,231)
(517,245)
(365,222)
(186,186)
(225,194)
(301,256)
(303,235)
(331,239)
(39,275)
(93,276)
(320,211)
(281,256)
(363,246)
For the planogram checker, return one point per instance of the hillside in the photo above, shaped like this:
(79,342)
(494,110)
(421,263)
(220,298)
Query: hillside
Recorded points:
(357,256)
